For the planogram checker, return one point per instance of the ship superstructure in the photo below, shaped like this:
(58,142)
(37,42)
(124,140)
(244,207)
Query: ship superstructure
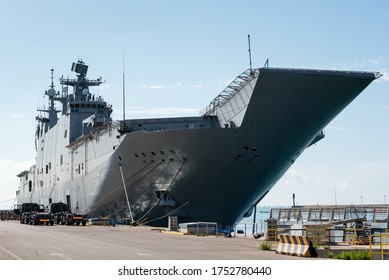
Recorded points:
(213,167)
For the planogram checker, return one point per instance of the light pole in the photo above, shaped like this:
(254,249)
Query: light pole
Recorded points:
(384,198)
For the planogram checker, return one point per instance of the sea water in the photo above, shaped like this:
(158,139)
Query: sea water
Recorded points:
(247,224)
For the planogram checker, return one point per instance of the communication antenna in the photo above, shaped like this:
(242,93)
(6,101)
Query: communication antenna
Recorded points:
(266,63)
(251,68)
(124,94)
(52,77)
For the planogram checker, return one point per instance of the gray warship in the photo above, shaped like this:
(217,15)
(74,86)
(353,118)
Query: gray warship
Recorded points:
(213,167)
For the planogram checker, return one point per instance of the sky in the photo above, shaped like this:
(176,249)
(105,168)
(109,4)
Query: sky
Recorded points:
(179,55)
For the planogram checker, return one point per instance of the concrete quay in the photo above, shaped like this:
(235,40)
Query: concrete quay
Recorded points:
(27,242)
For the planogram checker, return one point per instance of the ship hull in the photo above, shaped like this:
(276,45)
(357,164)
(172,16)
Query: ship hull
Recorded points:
(216,174)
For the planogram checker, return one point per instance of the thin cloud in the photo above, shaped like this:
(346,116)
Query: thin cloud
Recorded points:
(385,75)
(159,112)
(339,128)
(295,177)
(343,184)
(166,111)
(109,87)
(170,86)
(375,61)
(181,85)
(368,64)
(156,87)
(225,82)
(9,184)
(384,107)
(17,116)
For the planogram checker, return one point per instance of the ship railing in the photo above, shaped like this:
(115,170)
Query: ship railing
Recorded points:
(96,132)
(231,90)
(73,82)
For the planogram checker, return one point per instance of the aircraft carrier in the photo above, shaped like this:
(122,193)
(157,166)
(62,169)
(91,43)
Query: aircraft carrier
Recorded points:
(213,167)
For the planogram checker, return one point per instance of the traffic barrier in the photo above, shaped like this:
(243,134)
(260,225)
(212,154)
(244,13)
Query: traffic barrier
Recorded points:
(294,245)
